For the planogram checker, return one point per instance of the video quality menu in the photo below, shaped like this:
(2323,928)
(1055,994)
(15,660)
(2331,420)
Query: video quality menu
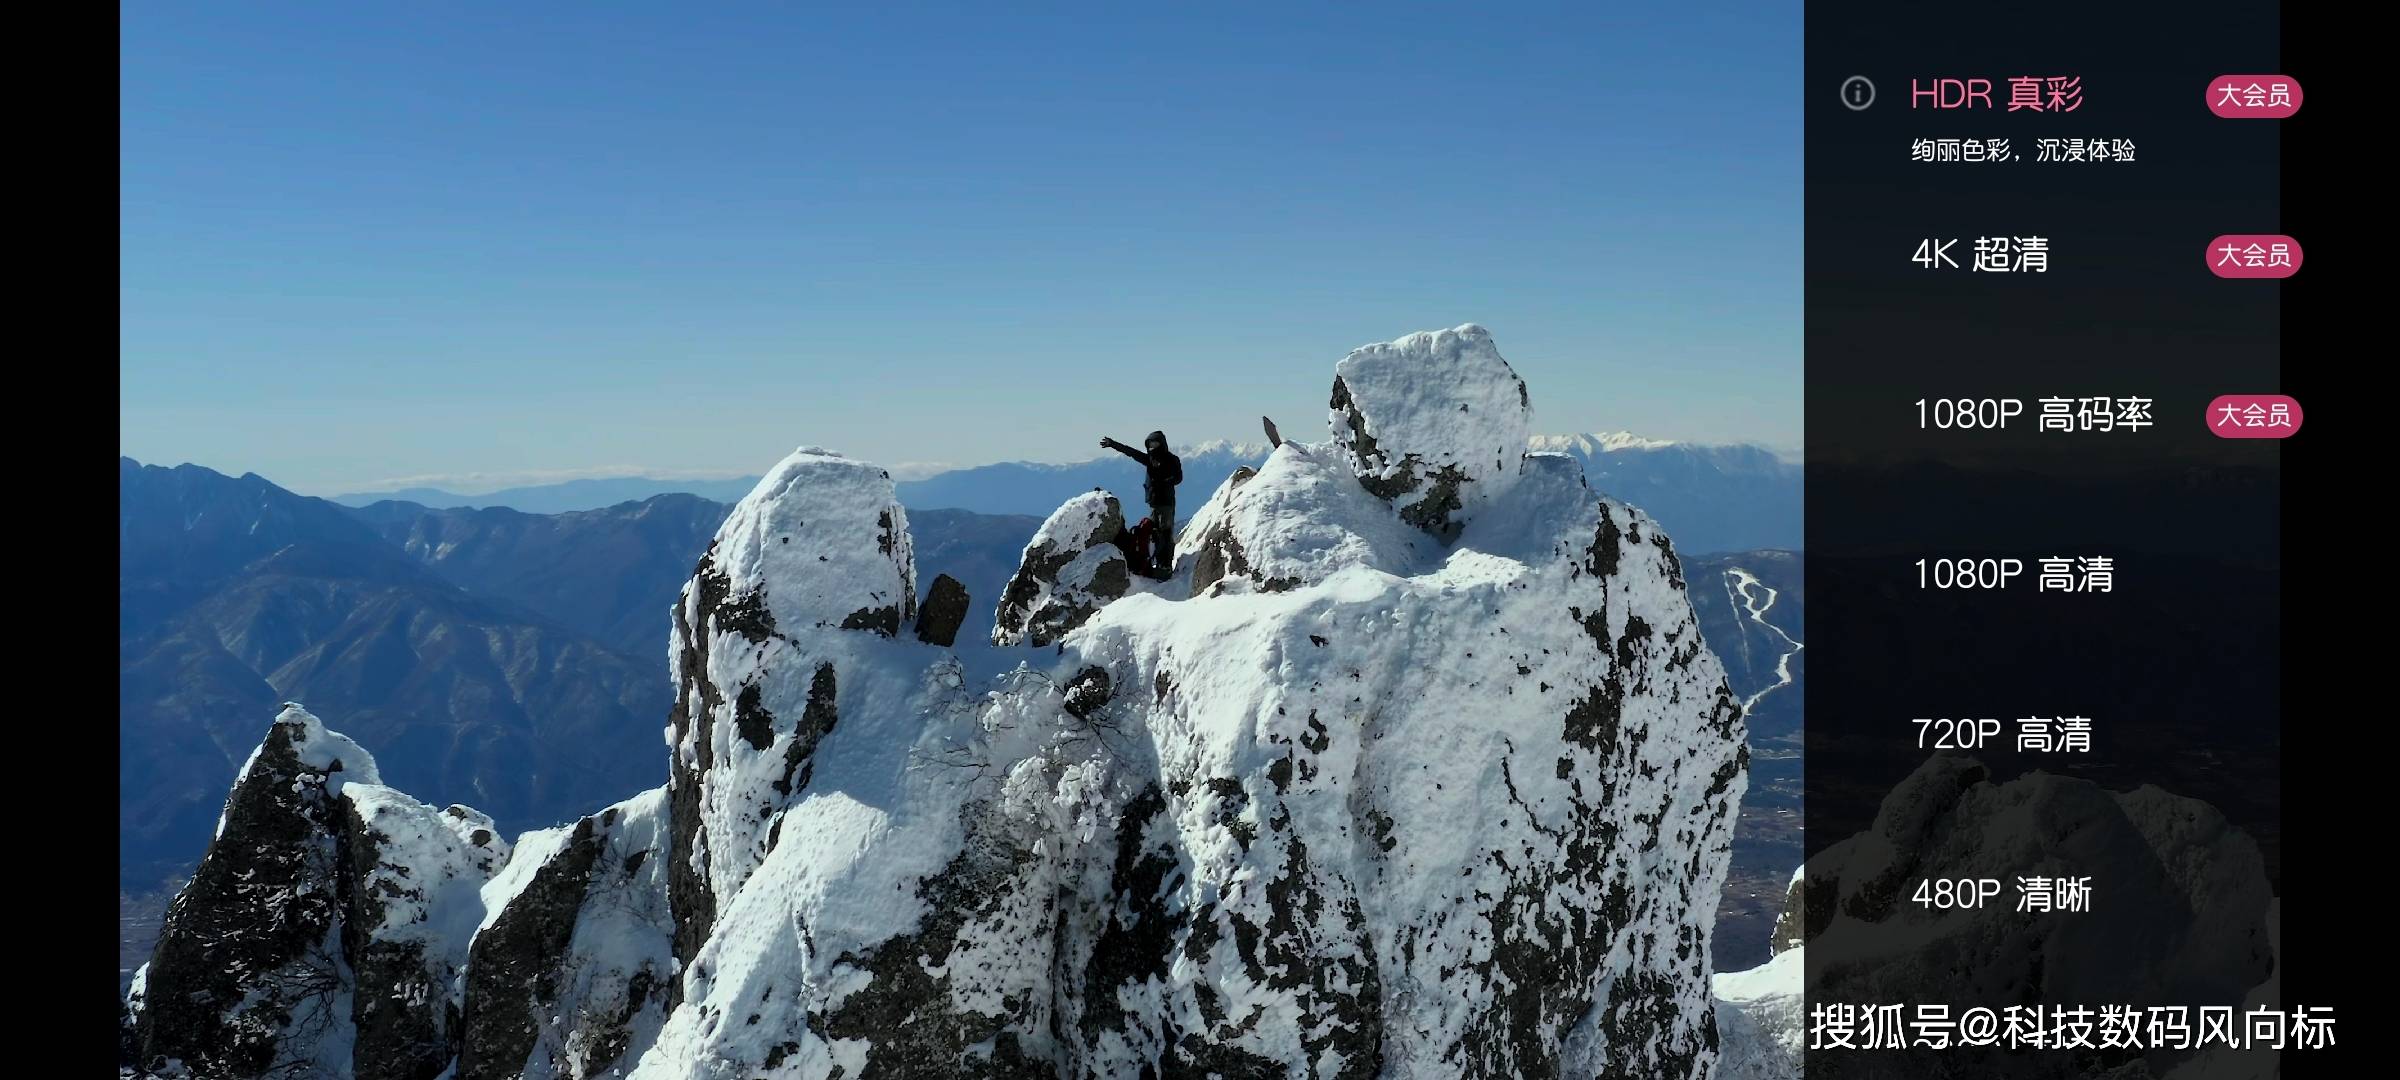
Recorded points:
(2061,414)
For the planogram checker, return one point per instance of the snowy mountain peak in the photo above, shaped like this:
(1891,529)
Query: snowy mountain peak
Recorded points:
(1228,448)
(1598,442)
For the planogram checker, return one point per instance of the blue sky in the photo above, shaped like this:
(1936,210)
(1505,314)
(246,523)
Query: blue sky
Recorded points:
(472,244)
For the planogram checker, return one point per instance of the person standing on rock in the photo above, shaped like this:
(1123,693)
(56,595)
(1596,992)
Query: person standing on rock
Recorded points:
(1161,471)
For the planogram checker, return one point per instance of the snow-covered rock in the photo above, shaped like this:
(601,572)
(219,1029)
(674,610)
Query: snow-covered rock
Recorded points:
(1761,1019)
(1371,805)
(571,965)
(2163,853)
(1760,1012)
(1070,568)
(325,928)
(786,627)
(807,580)
(1435,422)
(1434,777)
(415,899)
(1434,813)
(822,523)
(2186,918)
(1301,518)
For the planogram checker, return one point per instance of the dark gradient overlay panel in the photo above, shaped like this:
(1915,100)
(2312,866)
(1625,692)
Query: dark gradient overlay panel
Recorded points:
(2043,755)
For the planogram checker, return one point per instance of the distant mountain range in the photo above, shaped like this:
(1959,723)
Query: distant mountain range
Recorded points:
(235,595)
(507,659)
(564,497)
(1710,498)
(610,574)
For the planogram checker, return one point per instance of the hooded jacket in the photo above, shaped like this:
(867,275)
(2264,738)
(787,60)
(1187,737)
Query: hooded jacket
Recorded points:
(1161,469)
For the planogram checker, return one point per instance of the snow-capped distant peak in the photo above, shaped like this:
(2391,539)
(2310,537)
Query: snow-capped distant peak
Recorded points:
(1598,442)
(1242,450)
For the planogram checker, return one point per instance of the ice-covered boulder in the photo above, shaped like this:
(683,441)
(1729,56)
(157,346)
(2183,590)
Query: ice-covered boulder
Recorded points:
(323,931)
(570,968)
(828,535)
(1435,422)
(1070,568)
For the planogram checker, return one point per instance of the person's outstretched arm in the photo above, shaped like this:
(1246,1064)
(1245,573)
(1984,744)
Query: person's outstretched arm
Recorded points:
(1125,450)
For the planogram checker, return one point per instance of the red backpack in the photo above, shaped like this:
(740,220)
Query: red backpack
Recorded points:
(1135,543)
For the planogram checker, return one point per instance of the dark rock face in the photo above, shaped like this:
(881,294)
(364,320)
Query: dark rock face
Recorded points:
(403,1006)
(980,551)
(319,934)
(1219,553)
(511,974)
(816,722)
(904,1013)
(946,604)
(1793,926)
(1070,570)
(568,979)
(235,976)
(693,901)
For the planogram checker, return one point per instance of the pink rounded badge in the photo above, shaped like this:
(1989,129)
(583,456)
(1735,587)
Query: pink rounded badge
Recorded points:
(2253,416)
(2254,97)
(2253,255)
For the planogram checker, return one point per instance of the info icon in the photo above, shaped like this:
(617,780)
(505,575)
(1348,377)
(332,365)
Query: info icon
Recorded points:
(1858,92)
